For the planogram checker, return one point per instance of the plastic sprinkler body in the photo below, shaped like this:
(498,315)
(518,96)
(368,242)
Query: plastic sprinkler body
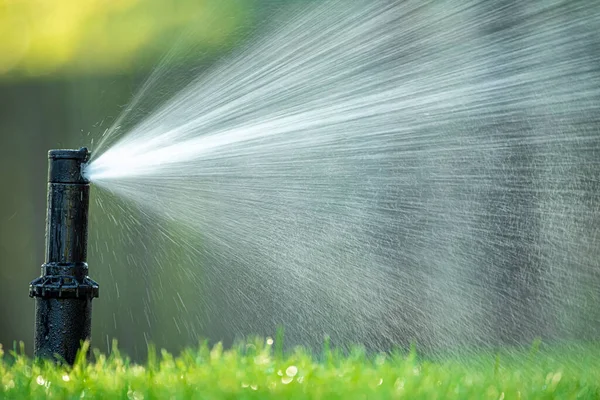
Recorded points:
(64,292)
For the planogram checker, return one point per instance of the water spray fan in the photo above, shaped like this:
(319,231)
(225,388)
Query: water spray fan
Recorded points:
(64,291)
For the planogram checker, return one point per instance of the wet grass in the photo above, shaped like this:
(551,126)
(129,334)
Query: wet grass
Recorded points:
(259,370)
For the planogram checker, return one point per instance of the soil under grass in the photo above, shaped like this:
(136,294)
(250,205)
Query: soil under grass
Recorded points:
(257,370)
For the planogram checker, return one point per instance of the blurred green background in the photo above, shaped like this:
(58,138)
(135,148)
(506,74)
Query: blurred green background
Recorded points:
(67,69)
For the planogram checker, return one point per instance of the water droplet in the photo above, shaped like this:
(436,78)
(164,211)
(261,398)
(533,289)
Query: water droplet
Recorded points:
(133,395)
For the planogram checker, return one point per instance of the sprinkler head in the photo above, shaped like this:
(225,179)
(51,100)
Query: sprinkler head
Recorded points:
(64,292)
(66,166)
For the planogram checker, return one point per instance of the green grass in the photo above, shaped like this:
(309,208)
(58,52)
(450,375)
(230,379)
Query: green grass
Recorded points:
(259,370)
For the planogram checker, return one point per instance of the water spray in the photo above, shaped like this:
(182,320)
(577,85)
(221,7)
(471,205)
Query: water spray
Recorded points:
(379,171)
(64,292)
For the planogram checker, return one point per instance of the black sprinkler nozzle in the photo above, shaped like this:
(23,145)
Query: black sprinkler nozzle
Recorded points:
(64,292)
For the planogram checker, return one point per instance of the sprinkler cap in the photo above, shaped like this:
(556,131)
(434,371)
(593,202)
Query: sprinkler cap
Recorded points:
(66,166)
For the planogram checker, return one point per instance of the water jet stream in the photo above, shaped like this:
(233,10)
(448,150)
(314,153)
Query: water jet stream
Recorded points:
(383,171)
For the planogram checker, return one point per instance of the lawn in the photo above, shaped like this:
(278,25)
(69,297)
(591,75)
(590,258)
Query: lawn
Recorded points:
(259,370)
